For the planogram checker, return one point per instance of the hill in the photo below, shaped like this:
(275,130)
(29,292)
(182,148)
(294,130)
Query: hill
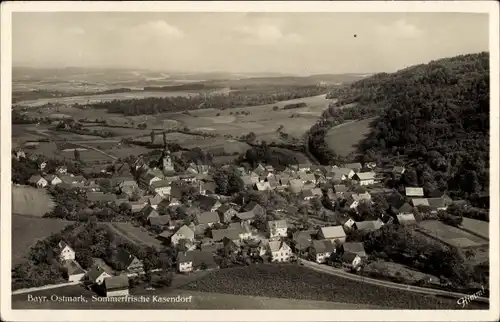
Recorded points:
(434,117)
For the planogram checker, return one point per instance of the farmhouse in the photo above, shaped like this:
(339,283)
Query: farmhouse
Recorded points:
(348,173)
(226,213)
(414,192)
(229,233)
(161,187)
(277,228)
(420,202)
(195,260)
(149,212)
(255,208)
(38,181)
(129,262)
(73,270)
(332,233)
(321,250)
(406,219)
(365,178)
(65,251)
(279,251)
(351,261)
(355,248)
(116,285)
(368,225)
(182,233)
(97,275)
(53,179)
(207,218)
(243,229)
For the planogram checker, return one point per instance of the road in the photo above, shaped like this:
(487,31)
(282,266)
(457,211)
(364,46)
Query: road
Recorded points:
(363,279)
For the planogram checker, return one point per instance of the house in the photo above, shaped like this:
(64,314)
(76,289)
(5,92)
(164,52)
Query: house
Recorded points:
(155,201)
(255,208)
(19,154)
(273,182)
(73,271)
(348,173)
(349,224)
(397,171)
(211,246)
(207,203)
(269,168)
(260,170)
(226,213)
(351,261)
(53,179)
(406,219)
(129,262)
(149,212)
(38,181)
(128,187)
(160,221)
(356,167)
(70,179)
(279,251)
(307,177)
(248,216)
(355,199)
(304,167)
(317,192)
(206,188)
(368,225)
(263,186)
(340,188)
(370,165)
(137,206)
(307,194)
(207,218)
(248,181)
(302,241)
(243,229)
(296,185)
(195,260)
(43,164)
(116,285)
(332,233)
(161,187)
(437,204)
(229,233)
(364,178)
(97,275)
(321,250)
(277,228)
(62,169)
(65,251)
(414,192)
(182,233)
(420,202)
(355,248)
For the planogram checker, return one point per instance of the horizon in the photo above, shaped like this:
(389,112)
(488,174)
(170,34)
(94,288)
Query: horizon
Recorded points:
(294,44)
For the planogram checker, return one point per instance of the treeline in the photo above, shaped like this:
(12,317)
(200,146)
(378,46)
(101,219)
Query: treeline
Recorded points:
(154,105)
(294,105)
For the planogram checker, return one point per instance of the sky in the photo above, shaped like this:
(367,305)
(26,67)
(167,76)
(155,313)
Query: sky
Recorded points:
(291,43)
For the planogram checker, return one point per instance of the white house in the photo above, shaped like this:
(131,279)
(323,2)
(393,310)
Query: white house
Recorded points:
(161,187)
(182,233)
(351,261)
(365,178)
(65,251)
(97,275)
(348,173)
(38,181)
(74,271)
(321,250)
(62,170)
(280,251)
(277,228)
(53,179)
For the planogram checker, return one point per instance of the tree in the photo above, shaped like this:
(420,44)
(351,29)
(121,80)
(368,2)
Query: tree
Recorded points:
(164,140)
(275,108)
(227,181)
(76,154)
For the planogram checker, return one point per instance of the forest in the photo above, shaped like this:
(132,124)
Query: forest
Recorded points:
(435,116)
(240,98)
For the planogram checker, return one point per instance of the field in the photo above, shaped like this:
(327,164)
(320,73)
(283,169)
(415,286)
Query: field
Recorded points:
(476,227)
(450,235)
(343,139)
(26,231)
(31,201)
(199,301)
(136,235)
(391,270)
(297,282)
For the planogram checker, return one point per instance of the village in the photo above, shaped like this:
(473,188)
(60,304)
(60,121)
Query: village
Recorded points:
(244,232)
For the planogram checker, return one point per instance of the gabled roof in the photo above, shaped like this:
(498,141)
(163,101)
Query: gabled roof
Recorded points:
(323,246)
(230,233)
(116,282)
(398,169)
(437,202)
(206,203)
(247,180)
(307,177)
(160,220)
(155,200)
(348,257)
(333,232)
(414,192)
(356,248)
(277,224)
(340,188)
(124,257)
(276,245)
(406,219)
(352,166)
(225,208)
(344,171)
(95,271)
(207,217)
(73,268)
(247,215)
(420,202)
(369,225)
(405,208)
(186,231)
(35,178)
(251,206)
(149,212)
(198,257)
(316,192)
(160,184)
(307,193)
(366,175)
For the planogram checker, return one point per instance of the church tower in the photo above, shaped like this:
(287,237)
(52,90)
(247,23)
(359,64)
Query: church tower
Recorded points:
(168,165)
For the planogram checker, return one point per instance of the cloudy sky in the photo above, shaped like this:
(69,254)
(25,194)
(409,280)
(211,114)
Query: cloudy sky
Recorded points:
(297,43)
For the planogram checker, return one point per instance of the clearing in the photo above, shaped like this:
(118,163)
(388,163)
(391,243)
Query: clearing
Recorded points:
(31,201)
(344,138)
(26,231)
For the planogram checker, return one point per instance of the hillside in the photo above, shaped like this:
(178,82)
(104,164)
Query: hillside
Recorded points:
(435,115)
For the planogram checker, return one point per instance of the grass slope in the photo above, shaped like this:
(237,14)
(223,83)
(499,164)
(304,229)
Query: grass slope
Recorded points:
(31,201)
(344,138)
(296,282)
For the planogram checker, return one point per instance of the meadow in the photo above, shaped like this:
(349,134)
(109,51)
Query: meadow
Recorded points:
(137,235)
(31,201)
(344,138)
(450,235)
(26,231)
